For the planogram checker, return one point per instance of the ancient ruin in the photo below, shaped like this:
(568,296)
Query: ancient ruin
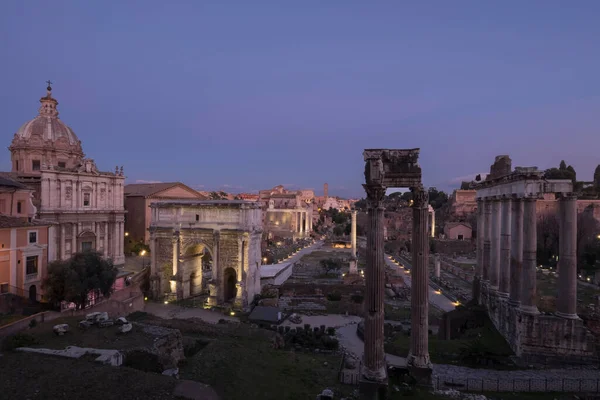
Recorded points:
(206,247)
(386,168)
(506,264)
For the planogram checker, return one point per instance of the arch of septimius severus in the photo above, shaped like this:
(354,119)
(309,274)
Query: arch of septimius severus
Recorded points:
(506,264)
(386,168)
(210,247)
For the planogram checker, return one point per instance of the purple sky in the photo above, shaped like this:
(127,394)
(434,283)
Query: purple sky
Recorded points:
(245,95)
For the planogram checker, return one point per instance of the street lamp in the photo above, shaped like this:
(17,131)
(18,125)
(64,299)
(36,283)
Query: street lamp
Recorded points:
(142,254)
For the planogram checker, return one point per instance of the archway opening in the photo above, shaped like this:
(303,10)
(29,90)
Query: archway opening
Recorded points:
(86,242)
(198,263)
(230,280)
(32,293)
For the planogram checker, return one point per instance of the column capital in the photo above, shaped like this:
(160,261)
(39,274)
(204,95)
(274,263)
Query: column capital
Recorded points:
(420,197)
(375,194)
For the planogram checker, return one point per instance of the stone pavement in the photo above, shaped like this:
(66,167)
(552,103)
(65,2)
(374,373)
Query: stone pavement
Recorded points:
(439,300)
(169,311)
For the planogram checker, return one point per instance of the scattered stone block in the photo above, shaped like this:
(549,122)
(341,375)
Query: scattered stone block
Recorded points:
(171,372)
(85,324)
(121,321)
(103,316)
(125,328)
(61,329)
(106,323)
(92,317)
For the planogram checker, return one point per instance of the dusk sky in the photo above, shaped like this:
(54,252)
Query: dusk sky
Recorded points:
(245,95)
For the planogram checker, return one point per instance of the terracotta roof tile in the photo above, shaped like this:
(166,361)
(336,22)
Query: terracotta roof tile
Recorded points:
(20,222)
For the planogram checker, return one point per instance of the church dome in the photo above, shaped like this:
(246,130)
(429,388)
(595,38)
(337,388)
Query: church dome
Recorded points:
(45,140)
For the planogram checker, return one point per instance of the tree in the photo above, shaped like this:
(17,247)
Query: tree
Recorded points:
(563,165)
(465,185)
(547,236)
(437,198)
(331,264)
(72,280)
(597,177)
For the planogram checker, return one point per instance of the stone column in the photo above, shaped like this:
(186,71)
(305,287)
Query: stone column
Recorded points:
(495,244)
(63,251)
(437,261)
(418,360)
(153,270)
(432,223)
(105,239)
(176,248)
(115,247)
(353,233)
(73,239)
(567,253)
(528,279)
(480,240)
(487,233)
(505,232)
(516,251)
(374,366)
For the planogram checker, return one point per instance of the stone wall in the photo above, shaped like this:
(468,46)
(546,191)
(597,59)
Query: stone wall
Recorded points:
(450,247)
(541,337)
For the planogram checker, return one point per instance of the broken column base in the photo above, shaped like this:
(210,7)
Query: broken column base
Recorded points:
(373,389)
(353,270)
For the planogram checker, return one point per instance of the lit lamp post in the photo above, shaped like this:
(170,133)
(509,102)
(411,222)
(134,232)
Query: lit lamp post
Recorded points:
(142,254)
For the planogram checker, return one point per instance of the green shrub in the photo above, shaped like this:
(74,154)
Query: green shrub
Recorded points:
(334,296)
(357,298)
(33,323)
(19,340)
(331,331)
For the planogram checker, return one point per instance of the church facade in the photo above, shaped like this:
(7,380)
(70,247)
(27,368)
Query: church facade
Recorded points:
(69,189)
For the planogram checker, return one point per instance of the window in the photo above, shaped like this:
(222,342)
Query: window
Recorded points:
(19,207)
(460,237)
(4,288)
(86,246)
(33,237)
(86,199)
(2,206)
(35,165)
(31,265)
(17,165)
(62,164)
(197,217)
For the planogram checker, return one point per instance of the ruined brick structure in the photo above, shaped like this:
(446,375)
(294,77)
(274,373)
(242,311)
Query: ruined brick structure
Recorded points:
(210,247)
(506,265)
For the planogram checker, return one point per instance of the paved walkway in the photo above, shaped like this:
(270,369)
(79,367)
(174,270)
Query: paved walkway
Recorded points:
(169,311)
(438,300)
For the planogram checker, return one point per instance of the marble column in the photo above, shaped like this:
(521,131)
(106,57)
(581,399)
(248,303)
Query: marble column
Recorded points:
(353,262)
(63,250)
(505,233)
(487,232)
(495,244)
(105,240)
(528,278)
(353,233)
(176,248)
(437,265)
(418,360)
(374,365)
(432,223)
(567,253)
(480,245)
(73,239)
(153,269)
(516,251)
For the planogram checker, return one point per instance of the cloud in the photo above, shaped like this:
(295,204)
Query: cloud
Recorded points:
(466,178)
(145,181)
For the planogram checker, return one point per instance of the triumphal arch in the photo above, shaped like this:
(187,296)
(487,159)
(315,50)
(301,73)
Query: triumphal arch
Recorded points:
(384,169)
(206,248)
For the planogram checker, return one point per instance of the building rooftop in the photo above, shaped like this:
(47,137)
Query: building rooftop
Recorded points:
(21,222)
(150,189)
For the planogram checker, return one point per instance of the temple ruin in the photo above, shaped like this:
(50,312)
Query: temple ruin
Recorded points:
(386,168)
(209,248)
(505,280)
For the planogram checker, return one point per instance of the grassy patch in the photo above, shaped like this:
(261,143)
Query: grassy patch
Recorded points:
(6,319)
(36,376)
(245,366)
(478,347)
